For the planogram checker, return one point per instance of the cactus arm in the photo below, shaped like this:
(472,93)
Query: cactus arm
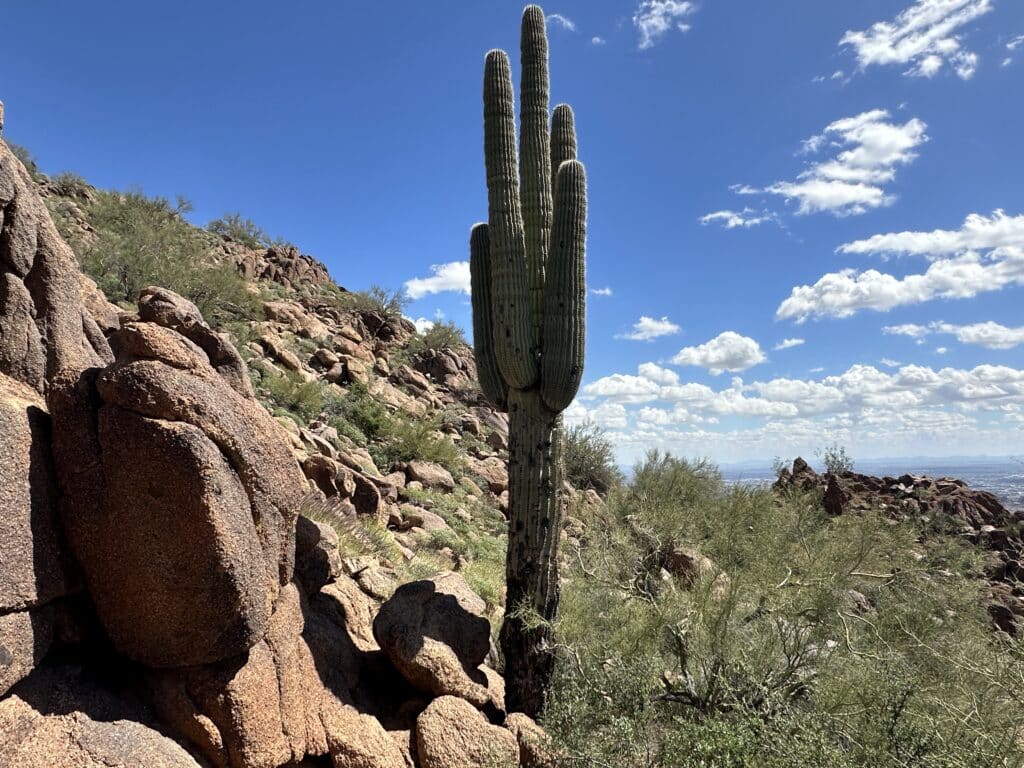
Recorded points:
(563,139)
(493,385)
(510,289)
(565,292)
(535,158)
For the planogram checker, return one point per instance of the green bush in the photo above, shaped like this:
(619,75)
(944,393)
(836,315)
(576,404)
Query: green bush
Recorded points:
(289,391)
(69,184)
(239,229)
(589,458)
(838,642)
(146,241)
(835,458)
(409,439)
(25,156)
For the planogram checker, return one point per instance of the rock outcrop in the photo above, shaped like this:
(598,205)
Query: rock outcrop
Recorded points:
(194,580)
(947,505)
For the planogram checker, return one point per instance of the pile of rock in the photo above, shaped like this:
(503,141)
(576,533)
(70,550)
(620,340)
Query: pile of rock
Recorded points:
(945,503)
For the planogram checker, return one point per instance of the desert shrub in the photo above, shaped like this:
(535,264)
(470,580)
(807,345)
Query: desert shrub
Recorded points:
(358,414)
(830,641)
(69,184)
(289,391)
(835,458)
(388,304)
(408,439)
(146,241)
(439,337)
(239,229)
(589,458)
(25,156)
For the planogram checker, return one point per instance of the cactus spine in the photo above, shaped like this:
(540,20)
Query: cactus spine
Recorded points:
(529,293)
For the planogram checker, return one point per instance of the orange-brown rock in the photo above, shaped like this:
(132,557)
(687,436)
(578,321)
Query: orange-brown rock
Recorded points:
(535,748)
(60,718)
(434,632)
(193,580)
(44,329)
(450,733)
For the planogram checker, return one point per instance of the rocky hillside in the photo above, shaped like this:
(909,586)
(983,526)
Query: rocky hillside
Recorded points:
(206,527)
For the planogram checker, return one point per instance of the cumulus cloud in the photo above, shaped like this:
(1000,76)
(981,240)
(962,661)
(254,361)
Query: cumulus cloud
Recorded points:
(788,344)
(978,232)
(597,40)
(924,37)
(985,254)
(853,181)
(990,335)
(908,408)
(453,276)
(423,324)
(654,18)
(650,328)
(746,218)
(844,293)
(562,21)
(606,291)
(729,351)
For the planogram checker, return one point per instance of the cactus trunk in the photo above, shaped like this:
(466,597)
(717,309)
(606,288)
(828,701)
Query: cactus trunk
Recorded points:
(527,272)
(531,569)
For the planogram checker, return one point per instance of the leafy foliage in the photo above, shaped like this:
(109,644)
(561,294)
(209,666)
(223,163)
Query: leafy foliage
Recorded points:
(835,458)
(829,642)
(589,458)
(146,241)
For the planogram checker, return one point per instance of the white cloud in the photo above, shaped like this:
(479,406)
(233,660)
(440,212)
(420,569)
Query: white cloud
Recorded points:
(911,409)
(788,344)
(562,21)
(746,218)
(844,293)
(988,334)
(985,254)
(653,18)
(852,182)
(978,232)
(909,329)
(1015,43)
(888,362)
(606,291)
(650,328)
(941,350)
(729,351)
(453,276)
(923,36)
(423,324)
(596,40)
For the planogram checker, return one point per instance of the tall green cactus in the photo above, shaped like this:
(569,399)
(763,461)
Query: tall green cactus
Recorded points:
(529,316)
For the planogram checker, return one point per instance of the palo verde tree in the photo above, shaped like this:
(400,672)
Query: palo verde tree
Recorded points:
(529,294)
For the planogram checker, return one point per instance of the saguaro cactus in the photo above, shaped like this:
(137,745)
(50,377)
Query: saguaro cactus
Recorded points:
(529,294)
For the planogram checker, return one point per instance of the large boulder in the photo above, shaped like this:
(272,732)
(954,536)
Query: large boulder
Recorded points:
(180,492)
(44,329)
(258,710)
(61,717)
(435,634)
(450,733)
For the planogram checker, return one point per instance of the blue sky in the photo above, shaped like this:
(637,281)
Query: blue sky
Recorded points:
(759,172)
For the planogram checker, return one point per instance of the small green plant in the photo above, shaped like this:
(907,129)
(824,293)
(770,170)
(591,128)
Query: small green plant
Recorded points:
(25,156)
(69,184)
(589,458)
(410,439)
(239,229)
(146,241)
(835,458)
(289,391)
